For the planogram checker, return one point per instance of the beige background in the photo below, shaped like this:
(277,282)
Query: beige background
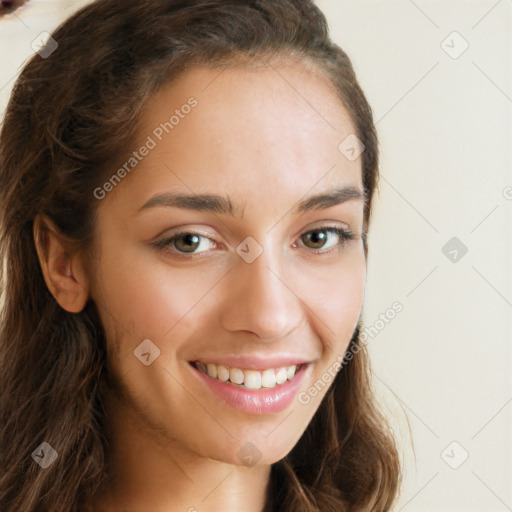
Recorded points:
(445,126)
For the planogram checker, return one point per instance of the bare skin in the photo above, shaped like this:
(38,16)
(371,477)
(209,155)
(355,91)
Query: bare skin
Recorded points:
(253,138)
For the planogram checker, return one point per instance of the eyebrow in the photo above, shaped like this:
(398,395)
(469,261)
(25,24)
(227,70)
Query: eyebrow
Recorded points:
(222,204)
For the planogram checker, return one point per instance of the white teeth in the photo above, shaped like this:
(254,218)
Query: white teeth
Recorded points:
(222,373)
(281,375)
(236,376)
(251,379)
(268,379)
(212,370)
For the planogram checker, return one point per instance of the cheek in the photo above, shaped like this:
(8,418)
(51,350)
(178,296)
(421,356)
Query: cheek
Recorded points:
(147,297)
(336,293)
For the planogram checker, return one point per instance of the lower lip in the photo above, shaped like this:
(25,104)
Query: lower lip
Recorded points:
(255,401)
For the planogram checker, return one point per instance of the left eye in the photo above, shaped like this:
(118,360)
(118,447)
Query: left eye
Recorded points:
(187,243)
(319,236)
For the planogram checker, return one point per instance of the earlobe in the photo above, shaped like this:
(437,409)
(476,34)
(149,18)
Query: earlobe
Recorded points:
(61,265)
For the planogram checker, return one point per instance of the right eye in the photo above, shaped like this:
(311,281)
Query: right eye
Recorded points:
(185,243)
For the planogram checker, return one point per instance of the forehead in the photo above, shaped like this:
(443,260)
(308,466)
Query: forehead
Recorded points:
(248,128)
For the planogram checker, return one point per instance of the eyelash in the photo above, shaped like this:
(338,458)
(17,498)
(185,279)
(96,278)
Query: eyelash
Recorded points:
(345,234)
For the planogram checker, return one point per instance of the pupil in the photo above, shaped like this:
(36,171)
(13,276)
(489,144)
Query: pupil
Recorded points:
(318,237)
(190,239)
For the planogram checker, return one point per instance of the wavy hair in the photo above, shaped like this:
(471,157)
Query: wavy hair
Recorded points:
(70,117)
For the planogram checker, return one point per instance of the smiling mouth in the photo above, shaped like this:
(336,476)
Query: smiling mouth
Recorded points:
(249,379)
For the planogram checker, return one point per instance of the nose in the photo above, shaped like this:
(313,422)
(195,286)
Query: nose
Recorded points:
(262,300)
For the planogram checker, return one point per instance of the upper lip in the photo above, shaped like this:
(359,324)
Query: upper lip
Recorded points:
(258,363)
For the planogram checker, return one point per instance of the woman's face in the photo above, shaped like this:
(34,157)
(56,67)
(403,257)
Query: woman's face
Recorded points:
(255,278)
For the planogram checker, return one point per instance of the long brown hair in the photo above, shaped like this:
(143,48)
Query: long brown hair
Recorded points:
(71,115)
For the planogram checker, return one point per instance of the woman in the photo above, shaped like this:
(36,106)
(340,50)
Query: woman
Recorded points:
(186,189)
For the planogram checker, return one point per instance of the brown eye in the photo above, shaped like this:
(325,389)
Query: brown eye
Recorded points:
(317,238)
(186,242)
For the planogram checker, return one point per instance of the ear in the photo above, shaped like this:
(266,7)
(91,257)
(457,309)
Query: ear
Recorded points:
(61,265)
